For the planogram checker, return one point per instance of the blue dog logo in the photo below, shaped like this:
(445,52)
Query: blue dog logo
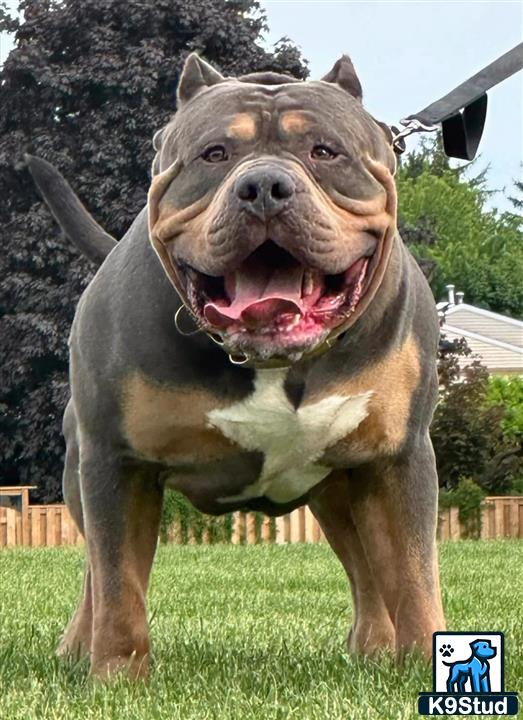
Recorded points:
(474,686)
(476,669)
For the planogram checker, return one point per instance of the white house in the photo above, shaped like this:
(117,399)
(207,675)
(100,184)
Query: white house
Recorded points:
(496,339)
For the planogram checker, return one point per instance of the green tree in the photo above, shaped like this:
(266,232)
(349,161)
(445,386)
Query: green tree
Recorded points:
(517,198)
(474,430)
(479,250)
(86,86)
(508,391)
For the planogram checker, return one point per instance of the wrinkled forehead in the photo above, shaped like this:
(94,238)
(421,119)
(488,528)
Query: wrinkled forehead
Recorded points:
(248,113)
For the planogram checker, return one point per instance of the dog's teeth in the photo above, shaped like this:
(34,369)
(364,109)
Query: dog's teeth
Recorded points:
(194,296)
(335,299)
(308,283)
(291,324)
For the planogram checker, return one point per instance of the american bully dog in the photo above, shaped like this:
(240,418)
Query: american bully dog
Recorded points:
(259,339)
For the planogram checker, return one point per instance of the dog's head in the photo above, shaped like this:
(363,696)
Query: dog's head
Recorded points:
(272,207)
(483,649)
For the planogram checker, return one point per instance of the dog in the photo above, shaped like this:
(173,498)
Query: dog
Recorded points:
(260,339)
(476,669)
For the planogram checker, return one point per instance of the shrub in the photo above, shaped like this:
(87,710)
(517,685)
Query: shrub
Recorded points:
(191,524)
(468,430)
(517,486)
(468,498)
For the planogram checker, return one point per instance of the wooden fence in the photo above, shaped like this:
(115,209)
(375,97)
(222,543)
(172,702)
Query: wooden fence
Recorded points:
(248,529)
(501,517)
(48,525)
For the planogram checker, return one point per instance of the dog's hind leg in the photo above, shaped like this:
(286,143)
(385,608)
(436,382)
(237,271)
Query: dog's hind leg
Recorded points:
(122,504)
(394,505)
(76,640)
(372,629)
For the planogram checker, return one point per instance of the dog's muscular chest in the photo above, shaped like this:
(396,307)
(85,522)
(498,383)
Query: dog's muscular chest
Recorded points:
(263,446)
(196,434)
(291,439)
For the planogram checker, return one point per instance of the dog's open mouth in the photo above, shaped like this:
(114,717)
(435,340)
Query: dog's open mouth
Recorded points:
(273,305)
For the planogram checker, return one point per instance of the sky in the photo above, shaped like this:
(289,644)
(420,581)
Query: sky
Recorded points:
(409,53)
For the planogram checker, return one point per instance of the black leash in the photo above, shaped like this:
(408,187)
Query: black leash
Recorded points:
(462,111)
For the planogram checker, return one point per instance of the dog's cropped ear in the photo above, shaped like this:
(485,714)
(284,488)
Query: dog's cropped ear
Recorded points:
(344,75)
(157,139)
(386,129)
(196,75)
(157,145)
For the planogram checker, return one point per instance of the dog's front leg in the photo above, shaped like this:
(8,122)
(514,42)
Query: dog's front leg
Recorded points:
(122,508)
(394,505)
(372,629)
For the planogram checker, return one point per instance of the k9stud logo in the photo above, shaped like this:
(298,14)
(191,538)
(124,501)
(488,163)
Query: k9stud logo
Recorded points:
(467,676)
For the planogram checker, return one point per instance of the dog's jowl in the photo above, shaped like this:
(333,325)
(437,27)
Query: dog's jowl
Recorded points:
(270,230)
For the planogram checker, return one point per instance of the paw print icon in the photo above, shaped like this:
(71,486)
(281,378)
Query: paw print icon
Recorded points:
(446,650)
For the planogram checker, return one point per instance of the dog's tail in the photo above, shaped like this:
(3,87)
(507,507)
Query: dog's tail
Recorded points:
(74,219)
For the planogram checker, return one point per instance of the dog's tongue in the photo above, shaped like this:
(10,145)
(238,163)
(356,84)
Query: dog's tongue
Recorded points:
(258,294)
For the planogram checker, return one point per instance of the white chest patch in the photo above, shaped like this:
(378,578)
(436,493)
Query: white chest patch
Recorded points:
(291,440)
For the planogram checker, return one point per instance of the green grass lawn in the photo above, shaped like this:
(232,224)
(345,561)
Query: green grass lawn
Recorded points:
(239,633)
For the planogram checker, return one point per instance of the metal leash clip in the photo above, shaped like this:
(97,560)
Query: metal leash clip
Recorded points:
(412,125)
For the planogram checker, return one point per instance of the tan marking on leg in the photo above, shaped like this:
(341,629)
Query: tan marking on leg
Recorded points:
(120,630)
(120,634)
(242,127)
(164,423)
(294,122)
(392,380)
(77,637)
(400,546)
(372,629)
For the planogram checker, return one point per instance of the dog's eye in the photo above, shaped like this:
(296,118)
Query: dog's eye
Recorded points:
(322,152)
(215,154)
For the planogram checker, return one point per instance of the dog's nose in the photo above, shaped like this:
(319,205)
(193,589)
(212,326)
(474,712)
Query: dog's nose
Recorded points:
(264,192)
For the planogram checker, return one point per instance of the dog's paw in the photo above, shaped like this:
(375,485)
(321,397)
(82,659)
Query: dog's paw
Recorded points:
(134,667)
(446,650)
